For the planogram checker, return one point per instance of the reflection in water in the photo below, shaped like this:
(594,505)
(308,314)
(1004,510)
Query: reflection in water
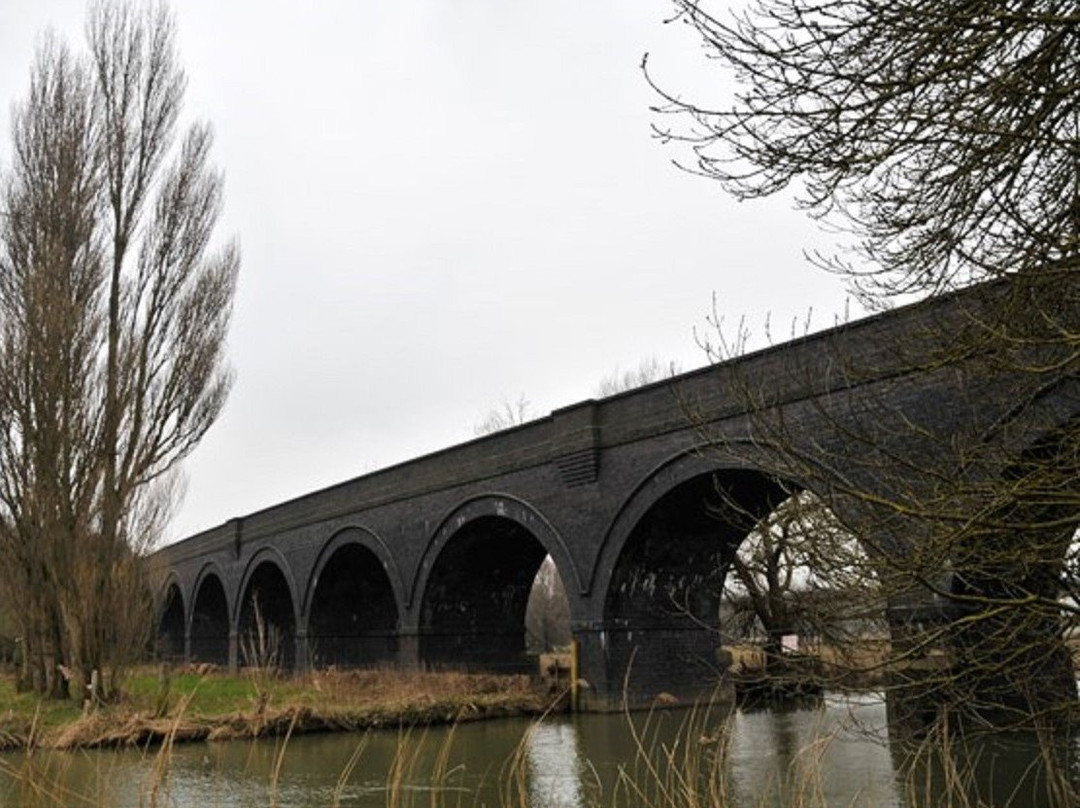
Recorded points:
(813,757)
(555,767)
(996,770)
(837,754)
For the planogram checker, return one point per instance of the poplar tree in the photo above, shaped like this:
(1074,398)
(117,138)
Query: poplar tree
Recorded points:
(114,309)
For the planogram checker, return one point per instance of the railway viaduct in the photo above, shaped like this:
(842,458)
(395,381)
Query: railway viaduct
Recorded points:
(641,500)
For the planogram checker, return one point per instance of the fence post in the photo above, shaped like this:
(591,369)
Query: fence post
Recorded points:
(574,675)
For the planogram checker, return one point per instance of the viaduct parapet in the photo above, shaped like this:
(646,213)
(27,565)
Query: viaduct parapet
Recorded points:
(431,562)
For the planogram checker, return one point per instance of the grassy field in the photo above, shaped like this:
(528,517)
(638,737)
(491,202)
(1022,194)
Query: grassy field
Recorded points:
(198,704)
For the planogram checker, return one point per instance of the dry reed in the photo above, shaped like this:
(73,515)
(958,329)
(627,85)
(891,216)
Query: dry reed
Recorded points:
(688,768)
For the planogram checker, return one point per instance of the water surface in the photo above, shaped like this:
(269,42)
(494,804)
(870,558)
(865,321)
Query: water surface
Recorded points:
(837,753)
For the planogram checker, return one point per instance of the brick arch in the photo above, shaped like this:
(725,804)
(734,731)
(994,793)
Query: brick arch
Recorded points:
(170,611)
(272,612)
(370,540)
(210,568)
(1038,420)
(1020,552)
(266,554)
(656,484)
(658,583)
(352,607)
(473,584)
(503,506)
(161,592)
(213,645)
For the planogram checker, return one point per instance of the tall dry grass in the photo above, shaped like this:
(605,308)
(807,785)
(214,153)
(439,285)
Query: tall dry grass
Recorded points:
(691,767)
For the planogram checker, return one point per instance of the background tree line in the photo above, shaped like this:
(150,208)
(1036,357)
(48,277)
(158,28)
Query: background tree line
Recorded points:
(114,308)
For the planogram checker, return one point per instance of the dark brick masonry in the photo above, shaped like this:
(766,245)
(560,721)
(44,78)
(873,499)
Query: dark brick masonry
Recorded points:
(430,561)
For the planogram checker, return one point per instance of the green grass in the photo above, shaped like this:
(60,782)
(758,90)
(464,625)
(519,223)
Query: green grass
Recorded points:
(219,693)
(251,703)
(205,695)
(211,695)
(20,710)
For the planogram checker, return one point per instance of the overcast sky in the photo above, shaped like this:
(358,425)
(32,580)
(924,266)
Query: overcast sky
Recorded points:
(441,205)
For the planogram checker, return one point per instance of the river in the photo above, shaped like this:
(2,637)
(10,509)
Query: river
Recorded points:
(836,753)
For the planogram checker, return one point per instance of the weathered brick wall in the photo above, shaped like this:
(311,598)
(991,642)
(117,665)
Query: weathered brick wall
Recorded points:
(577,484)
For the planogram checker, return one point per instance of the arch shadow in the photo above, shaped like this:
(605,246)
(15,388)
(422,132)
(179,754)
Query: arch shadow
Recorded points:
(371,541)
(654,486)
(171,613)
(658,580)
(352,606)
(503,506)
(265,628)
(209,618)
(473,584)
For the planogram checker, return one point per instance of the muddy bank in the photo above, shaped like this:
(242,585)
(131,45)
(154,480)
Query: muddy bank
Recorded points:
(325,702)
(106,729)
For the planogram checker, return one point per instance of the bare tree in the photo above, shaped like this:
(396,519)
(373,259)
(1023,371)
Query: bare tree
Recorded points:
(547,611)
(648,370)
(945,138)
(169,299)
(114,312)
(799,571)
(964,502)
(50,275)
(504,417)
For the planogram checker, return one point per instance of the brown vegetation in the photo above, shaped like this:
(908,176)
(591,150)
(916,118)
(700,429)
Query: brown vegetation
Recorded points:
(208,705)
(113,315)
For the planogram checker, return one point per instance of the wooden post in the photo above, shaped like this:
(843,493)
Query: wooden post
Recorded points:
(91,703)
(574,675)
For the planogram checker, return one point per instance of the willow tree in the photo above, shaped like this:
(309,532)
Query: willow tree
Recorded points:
(113,313)
(944,140)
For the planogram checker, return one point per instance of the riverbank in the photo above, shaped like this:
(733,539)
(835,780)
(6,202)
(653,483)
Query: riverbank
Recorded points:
(197,704)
